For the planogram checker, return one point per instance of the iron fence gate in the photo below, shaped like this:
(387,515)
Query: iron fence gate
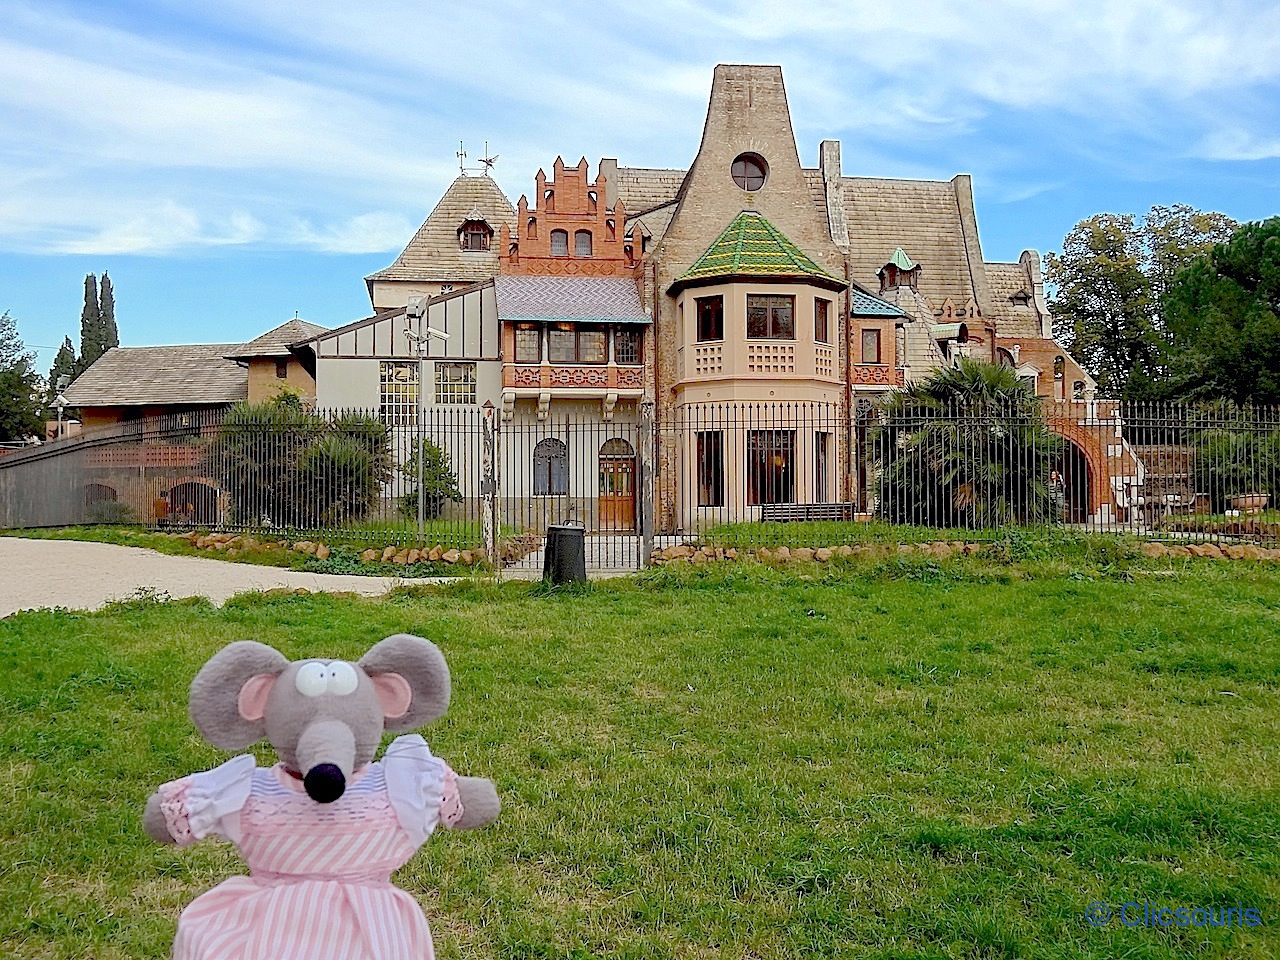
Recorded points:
(466,479)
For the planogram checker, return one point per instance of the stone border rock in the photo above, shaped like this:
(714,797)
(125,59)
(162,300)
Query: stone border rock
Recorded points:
(233,545)
(941,549)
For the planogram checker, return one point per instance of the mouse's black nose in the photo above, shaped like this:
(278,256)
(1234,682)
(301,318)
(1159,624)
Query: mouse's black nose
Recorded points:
(324,783)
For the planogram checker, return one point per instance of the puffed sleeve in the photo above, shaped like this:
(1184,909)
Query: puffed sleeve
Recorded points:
(208,803)
(423,788)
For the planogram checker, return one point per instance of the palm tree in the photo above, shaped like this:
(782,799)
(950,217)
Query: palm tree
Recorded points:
(968,446)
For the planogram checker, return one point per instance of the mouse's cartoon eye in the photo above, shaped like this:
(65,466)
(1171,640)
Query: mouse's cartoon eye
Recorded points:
(312,679)
(342,678)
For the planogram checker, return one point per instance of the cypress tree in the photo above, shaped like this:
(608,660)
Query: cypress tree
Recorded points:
(107,314)
(91,346)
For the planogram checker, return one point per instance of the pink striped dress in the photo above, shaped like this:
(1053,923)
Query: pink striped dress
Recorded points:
(319,884)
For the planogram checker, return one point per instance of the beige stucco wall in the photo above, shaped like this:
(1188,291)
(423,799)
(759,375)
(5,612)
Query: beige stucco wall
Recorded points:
(347,383)
(264,384)
(396,293)
(738,368)
(356,382)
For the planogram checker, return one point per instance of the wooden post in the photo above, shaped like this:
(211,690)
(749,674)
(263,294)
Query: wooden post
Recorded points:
(647,439)
(489,488)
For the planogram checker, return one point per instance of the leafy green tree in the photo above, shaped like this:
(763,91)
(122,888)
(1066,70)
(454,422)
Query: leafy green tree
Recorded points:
(1108,288)
(439,482)
(1224,320)
(20,386)
(967,446)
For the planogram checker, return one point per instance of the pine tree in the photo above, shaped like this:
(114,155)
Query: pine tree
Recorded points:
(107,315)
(64,365)
(91,345)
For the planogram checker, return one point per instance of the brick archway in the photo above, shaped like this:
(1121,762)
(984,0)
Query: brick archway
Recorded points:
(1093,449)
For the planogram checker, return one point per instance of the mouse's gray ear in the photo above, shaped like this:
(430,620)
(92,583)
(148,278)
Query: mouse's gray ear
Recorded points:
(230,691)
(411,678)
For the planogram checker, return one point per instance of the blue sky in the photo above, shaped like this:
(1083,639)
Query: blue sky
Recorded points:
(232,162)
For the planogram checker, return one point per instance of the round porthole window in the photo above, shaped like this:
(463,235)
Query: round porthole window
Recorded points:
(749,171)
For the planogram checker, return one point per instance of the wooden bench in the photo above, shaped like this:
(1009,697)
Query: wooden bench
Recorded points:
(792,512)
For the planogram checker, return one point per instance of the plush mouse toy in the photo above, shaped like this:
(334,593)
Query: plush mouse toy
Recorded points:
(322,830)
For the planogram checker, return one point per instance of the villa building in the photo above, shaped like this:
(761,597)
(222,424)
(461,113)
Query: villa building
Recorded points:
(757,304)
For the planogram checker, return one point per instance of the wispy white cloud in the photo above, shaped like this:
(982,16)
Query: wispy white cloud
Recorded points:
(366,233)
(171,127)
(1236,144)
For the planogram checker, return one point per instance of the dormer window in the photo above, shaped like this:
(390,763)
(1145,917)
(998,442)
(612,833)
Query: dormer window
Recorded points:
(475,235)
(900,271)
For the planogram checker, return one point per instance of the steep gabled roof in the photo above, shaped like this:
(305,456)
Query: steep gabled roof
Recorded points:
(192,373)
(643,188)
(434,253)
(276,343)
(1013,306)
(922,216)
(751,246)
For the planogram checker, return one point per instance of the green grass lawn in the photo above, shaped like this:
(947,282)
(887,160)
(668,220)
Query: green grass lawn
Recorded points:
(888,760)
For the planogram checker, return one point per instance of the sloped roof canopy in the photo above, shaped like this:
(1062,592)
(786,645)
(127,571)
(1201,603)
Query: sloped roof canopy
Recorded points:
(863,304)
(276,343)
(753,248)
(578,299)
(189,374)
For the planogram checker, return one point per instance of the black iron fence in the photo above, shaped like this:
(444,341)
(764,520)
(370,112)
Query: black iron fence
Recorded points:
(470,478)
(1173,471)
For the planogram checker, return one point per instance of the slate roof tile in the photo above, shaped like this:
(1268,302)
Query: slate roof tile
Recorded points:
(198,373)
(600,299)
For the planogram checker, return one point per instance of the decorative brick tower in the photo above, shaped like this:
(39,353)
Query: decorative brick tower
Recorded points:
(570,232)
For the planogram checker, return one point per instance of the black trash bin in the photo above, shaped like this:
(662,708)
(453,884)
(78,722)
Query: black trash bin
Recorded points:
(564,560)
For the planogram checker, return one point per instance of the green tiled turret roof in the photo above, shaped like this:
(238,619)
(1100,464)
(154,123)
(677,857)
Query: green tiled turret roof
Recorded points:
(901,260)
(751,246)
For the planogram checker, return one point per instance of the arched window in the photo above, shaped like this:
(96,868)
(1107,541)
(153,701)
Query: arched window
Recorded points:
(582,243)
(616,447)
(549,201)
(559,243)
(592,201)
(550,468)
(1059,367)
(531,228)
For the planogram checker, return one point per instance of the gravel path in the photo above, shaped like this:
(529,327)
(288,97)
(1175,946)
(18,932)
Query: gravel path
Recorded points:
(83,576)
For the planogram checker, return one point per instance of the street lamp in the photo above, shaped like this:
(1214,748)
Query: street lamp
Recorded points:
(60,401)
(420,340)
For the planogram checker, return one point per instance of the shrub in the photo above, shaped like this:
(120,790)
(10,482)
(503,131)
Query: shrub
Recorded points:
(1230,463)
(439,482)
(293,467)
